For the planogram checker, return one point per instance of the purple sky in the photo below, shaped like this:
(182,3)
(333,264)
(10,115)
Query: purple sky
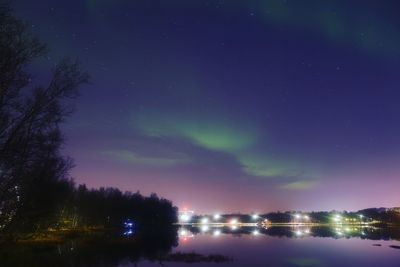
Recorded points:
(233,105)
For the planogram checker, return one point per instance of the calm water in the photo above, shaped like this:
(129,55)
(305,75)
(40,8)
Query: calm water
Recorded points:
(344,246)
(276,246)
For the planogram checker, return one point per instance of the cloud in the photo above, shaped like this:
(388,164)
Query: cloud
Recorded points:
(300,185)
(263,166)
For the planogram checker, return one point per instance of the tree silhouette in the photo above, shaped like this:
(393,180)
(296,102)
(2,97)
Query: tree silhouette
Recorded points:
(36,192)
(30,115)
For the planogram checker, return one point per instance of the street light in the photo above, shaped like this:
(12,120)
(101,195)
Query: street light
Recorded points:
(217,216)
(184,217)
(233,222)
(337,218)
(255,216)
(204,220)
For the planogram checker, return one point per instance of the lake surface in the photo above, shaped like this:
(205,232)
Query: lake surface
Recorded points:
(339,246)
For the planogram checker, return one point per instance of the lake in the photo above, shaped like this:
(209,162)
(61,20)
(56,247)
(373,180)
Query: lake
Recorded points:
(295,247)
(246,246)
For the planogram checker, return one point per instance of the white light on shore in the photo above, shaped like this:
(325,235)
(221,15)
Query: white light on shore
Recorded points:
(204,220)
(217,216)
(337,218)
(255,216)
(184,217)
(233,221)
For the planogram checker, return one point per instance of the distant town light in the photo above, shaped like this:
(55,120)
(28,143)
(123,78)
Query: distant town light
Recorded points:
(337,218)
(217,216)
(184,217)
(306,217)
(204,220)
(297,216)
(255,216)
(234,221)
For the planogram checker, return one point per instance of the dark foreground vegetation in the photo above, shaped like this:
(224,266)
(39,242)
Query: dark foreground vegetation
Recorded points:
(103,248)
(37,195)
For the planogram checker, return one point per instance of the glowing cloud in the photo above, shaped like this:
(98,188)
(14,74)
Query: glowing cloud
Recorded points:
(261,166)
(132,158)
(300,185)
(206,133)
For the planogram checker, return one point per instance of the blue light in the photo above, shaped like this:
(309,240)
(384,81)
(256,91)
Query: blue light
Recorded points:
(129,224)
(129,228)
(128,233)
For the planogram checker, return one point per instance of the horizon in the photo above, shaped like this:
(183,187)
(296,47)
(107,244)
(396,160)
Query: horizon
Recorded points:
(248,106)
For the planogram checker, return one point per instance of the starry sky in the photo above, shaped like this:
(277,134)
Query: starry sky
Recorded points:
(228,106)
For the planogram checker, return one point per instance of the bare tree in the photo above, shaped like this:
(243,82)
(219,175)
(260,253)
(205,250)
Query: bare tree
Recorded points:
(30,117)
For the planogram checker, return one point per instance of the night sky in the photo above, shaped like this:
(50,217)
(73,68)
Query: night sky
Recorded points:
(232,105)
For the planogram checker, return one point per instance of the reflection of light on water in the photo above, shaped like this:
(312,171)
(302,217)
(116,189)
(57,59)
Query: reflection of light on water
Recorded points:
(236,227)
(183,232)
(184,235)
(128,232)
(205,228)
(217,233)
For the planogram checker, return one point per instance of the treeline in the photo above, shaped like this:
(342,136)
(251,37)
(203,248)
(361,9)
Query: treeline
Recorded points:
(68,207)
(109,207)
(384,215)
(36,191)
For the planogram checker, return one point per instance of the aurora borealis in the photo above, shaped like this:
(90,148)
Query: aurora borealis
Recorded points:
(233,105)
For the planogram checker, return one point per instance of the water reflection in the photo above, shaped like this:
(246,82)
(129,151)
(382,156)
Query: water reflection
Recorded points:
(337,232)
(198,245)
(94,249)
